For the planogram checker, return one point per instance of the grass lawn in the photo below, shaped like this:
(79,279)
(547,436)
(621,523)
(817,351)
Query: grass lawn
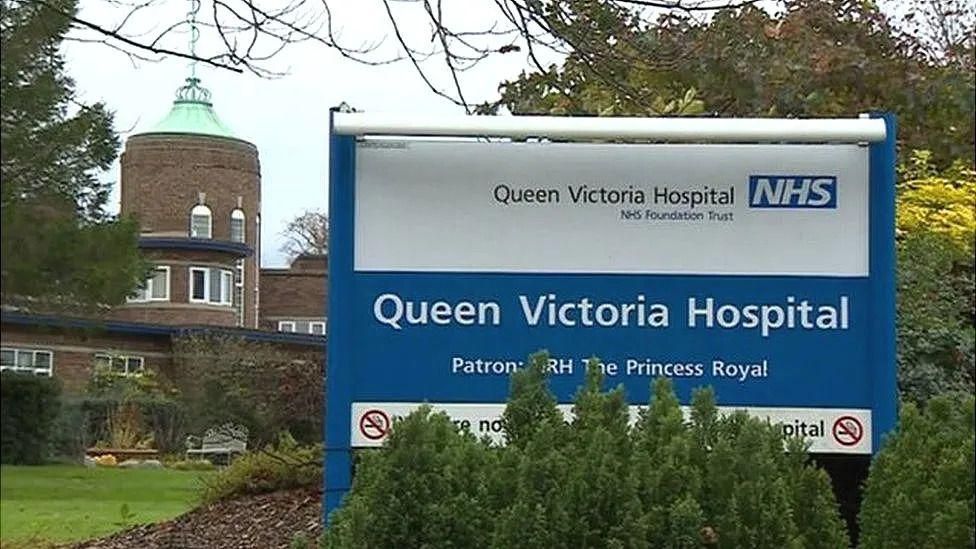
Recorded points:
(58,503)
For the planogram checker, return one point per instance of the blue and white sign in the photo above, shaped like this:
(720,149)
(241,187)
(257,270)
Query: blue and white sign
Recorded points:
(764,270)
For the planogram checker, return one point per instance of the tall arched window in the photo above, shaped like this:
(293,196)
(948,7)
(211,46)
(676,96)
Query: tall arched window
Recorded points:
(201,222)
(237,220)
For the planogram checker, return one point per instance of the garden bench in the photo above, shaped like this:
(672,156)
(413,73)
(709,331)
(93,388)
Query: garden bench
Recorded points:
(228,440)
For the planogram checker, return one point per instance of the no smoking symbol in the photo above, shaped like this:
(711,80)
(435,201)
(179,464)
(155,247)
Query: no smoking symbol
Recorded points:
(374,424)
(848,430)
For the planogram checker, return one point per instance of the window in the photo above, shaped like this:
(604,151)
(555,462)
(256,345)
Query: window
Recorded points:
(314,327)
(156,289)
(286,325)
(211,285)
(120,364)
(227,287)
(237,225)
(33,361)
(201,222)
(198,284)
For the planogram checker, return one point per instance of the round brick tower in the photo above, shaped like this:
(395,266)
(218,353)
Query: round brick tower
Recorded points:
(195,189)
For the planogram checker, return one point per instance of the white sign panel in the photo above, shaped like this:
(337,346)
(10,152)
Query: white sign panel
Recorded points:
(455,206)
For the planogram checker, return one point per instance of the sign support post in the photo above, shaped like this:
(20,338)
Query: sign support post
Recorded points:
(882,259)
(339,379)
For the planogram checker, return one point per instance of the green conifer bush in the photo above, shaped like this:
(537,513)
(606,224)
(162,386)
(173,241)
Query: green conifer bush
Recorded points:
(670,480)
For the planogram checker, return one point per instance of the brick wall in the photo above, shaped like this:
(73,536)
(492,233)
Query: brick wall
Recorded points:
(163,176)
(288,294)
(176,314)
(179,310)
(75,349)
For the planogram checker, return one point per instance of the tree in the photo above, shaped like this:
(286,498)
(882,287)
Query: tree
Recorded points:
(307,234)
(946,28)
(70,253)
(805,58)
(919,492)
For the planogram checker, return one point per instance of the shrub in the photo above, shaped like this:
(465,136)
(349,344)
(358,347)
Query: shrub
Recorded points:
(70,431)
(729,481)
(936,297)
(124,411)
(300,541)
(192,465)
(919,491)
(280,467)
(938,201)
(434,481)
(29,407)
(166,418)
(223,379)
(936,334)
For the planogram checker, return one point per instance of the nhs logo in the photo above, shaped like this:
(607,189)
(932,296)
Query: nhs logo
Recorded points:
(793,191)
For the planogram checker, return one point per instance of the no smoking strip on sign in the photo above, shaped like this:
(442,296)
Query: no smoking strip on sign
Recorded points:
(828,430)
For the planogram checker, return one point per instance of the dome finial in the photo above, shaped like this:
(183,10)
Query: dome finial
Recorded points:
(192,91)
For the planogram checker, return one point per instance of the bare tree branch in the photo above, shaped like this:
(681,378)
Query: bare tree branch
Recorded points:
(116,35)
(307,234)
(247,35)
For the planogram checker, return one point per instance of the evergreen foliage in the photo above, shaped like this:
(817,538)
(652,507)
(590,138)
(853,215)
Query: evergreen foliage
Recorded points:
(597,481)
(919,492)
(28,411)
(433,482)
(70,253)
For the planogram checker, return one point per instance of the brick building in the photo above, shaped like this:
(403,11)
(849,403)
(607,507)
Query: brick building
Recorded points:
(195,189)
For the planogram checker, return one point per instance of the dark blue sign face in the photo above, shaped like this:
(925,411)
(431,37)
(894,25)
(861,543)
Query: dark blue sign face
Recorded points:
(763,271)
(697,330)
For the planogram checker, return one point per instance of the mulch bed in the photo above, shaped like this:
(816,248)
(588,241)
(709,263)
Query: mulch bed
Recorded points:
(263,521)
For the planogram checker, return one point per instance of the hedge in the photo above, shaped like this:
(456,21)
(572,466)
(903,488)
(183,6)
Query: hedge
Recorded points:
(29,406)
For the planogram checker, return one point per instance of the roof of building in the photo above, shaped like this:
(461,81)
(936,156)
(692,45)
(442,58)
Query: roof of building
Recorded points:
(140,328)
(192,113)
(303,264)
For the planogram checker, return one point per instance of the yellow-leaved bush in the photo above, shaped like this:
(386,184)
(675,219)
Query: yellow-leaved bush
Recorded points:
(941,202)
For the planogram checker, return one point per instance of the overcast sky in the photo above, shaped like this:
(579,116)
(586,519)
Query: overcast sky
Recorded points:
(286,118)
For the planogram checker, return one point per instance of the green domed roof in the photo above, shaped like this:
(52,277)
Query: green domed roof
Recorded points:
(193,113)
